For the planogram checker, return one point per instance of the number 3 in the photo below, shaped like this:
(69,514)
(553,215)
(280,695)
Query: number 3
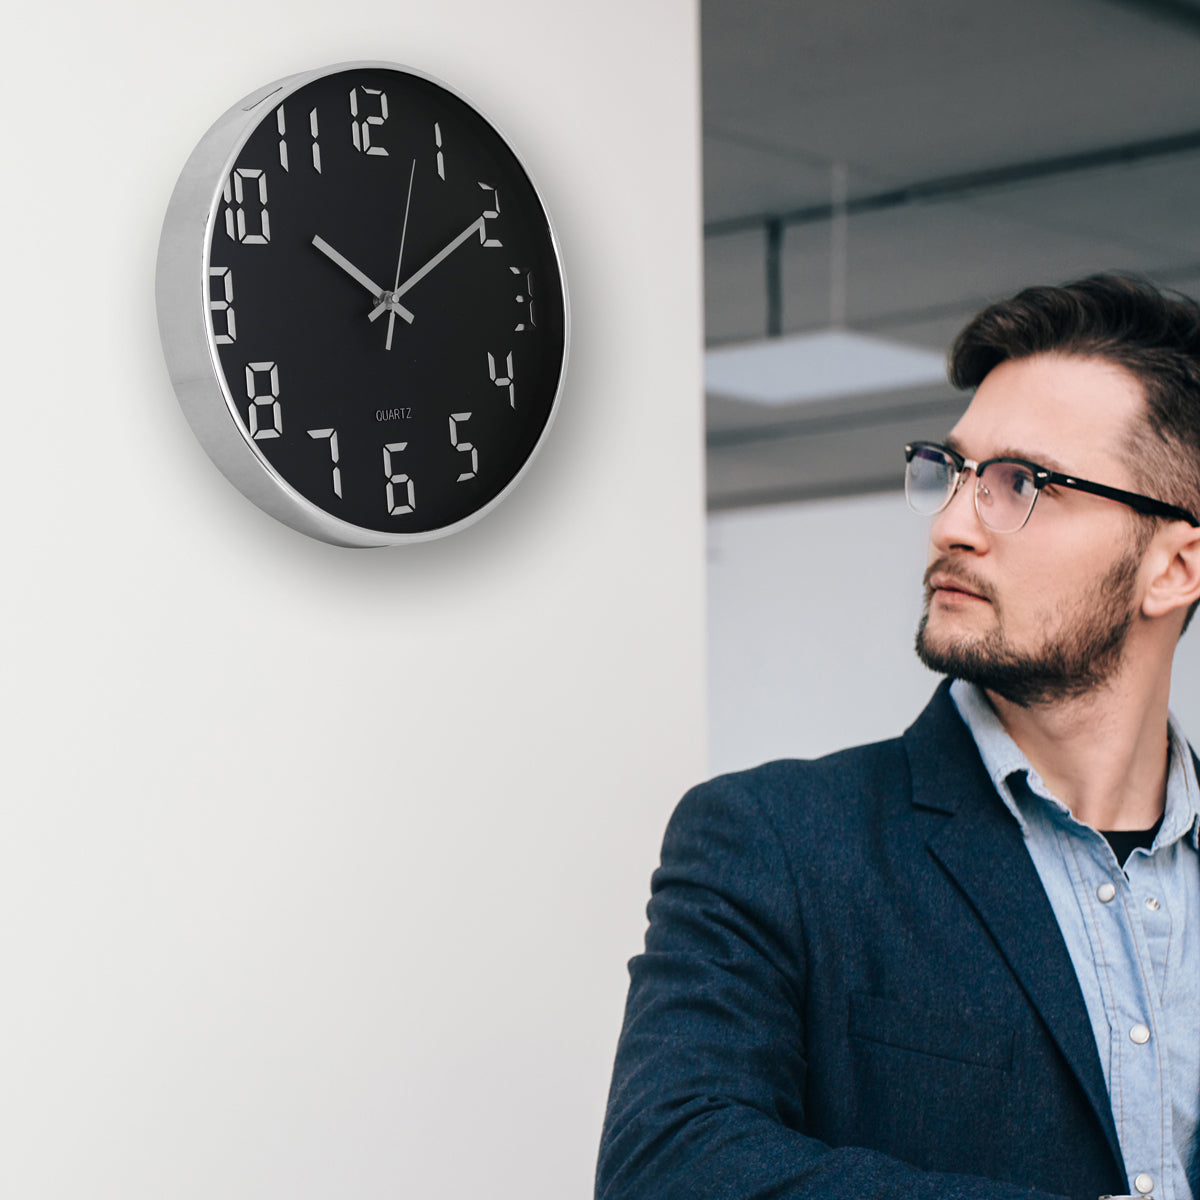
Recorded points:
(463,447)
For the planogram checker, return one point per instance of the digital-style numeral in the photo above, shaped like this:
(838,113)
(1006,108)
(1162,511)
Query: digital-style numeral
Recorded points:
(437,141)
(281,125)
(314,132)
(524,298)
(228,335)
(463,447)
(489,214)
(236,224)
(395,479)
(316,149)
(361,130)
(264,400)
(507,380)
(331,434)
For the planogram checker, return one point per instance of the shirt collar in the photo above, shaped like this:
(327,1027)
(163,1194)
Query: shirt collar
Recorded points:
(1003,759)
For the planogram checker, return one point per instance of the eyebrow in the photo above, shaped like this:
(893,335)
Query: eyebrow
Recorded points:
(1042,460)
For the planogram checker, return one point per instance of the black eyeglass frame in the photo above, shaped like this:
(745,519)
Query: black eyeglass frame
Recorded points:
(1042,477)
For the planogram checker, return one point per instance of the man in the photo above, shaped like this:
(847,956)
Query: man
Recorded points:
(918,969)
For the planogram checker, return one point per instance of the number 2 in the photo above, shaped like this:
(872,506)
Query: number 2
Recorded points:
(489,214)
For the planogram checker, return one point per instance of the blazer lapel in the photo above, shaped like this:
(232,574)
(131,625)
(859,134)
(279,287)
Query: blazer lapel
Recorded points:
(983,851)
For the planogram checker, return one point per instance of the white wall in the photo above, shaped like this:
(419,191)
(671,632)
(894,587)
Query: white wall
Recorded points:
(319,868)
(812,613)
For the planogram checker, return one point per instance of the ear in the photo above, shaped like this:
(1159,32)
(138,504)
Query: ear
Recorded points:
(1173,560)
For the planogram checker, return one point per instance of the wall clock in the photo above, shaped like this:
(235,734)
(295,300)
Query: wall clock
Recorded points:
(362,305)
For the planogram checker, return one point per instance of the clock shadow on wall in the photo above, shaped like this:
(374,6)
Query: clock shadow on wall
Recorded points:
(362,305)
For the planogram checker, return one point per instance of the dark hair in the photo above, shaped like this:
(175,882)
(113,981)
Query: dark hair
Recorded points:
(1123,320)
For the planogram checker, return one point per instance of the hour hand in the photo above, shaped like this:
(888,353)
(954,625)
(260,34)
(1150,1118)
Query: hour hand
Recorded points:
(376,291)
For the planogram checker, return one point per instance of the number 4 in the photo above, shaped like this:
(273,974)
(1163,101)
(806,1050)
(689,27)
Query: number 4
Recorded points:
(504,381)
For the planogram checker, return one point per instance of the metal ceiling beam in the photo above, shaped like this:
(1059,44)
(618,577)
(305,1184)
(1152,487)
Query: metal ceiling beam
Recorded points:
(774,235)
(850,419)
(952,187)
(804,493)
(1178,12)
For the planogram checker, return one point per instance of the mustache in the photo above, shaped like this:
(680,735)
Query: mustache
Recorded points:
(951,569)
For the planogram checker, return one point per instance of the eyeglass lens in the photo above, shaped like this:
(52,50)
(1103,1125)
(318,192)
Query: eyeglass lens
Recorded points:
(1004,492)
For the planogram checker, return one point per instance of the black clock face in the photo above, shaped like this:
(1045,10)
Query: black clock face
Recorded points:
(385,301)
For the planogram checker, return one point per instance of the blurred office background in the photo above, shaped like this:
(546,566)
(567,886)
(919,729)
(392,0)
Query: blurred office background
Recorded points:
(320,868)
(874,173)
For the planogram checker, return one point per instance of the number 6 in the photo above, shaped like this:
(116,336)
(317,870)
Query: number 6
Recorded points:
(394,479)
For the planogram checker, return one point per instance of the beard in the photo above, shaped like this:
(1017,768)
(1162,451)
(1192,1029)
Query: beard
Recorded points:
(1080,656)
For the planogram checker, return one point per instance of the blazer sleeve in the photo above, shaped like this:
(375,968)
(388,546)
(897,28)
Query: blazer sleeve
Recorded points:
(708,1091)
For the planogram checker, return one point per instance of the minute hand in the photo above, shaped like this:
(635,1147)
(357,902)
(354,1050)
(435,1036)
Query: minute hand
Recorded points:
(475,226)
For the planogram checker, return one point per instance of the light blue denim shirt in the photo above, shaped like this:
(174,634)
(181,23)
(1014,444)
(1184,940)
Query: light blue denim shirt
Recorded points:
(1134,938)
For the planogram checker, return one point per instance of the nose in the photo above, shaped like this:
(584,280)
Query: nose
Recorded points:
(957,526)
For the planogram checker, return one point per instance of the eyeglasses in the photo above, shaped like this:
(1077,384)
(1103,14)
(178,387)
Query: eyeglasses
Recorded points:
(1006,489)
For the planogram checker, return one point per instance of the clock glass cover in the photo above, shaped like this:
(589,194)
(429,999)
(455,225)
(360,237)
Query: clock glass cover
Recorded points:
(381,304)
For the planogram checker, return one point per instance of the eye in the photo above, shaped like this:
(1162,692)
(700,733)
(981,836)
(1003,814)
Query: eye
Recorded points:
(1012,479)
(1023,483)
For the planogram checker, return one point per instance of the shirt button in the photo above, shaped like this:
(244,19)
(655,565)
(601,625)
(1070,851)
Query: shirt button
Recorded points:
(1152,904)
(1106,892)
(1144,1183)
(1140,1034)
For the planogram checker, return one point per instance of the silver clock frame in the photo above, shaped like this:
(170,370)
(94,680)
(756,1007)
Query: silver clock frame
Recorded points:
(185,321)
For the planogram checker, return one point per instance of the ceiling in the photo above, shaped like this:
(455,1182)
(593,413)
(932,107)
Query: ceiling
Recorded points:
(983,148)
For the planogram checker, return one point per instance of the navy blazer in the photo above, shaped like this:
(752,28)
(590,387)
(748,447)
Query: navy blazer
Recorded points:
(854,986)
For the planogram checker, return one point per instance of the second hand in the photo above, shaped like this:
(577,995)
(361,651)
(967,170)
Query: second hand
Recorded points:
(400,256)
(390,298)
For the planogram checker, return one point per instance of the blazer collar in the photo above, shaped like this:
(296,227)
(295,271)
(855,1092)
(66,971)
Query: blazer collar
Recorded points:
(983,851)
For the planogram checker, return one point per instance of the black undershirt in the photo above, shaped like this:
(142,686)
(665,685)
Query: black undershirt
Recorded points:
(1125,841)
